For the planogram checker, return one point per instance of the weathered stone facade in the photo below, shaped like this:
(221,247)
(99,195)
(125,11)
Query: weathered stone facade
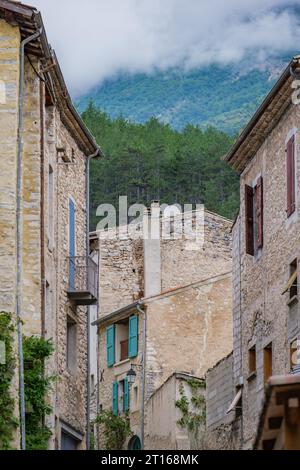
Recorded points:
(222,425)
(164,431)
(48,183)
(264,316)
(188,317)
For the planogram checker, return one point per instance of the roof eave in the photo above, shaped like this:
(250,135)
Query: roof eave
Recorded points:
(230,156)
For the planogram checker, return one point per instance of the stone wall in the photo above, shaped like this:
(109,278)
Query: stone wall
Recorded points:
(182,266)
(163,416)
(9,73)
(264,312)
(220,391)
(121,273)
(189,330)
(9,102)
(68,398)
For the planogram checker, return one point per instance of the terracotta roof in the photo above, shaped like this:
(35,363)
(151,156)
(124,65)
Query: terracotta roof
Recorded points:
(29,21)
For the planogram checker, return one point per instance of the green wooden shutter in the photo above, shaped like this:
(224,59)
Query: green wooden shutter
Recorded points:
(110,345)
(126,395)
(133,336)
(115,398)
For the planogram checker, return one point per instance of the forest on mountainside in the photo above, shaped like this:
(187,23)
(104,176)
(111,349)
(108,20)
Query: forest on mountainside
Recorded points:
(153,161)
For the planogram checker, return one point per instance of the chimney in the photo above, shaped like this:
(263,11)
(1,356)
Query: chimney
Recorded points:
(152,250)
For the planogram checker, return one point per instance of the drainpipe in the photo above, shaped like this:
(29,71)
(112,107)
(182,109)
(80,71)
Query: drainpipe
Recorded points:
(88,382)
(143,378)
(19,236)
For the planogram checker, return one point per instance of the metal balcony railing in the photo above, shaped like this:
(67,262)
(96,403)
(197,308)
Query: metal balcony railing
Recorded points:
(83,280)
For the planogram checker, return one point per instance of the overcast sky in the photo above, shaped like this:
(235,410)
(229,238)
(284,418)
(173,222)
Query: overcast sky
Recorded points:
(96,39)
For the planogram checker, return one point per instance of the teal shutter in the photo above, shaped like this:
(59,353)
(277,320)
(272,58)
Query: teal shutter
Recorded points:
(126,395)
(115,398)
(110,345)
(133,336)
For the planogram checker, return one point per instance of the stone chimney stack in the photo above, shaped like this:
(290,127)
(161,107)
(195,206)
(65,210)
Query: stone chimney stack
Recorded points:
(152,250)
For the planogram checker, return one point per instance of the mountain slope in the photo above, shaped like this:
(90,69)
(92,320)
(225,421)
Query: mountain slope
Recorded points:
(224,97)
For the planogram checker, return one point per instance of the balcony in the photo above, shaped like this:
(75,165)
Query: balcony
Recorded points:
(83,280)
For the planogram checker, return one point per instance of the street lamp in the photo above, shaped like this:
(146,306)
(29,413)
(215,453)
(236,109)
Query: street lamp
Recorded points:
(131,375)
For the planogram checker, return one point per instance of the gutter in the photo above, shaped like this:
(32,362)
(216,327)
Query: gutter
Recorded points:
(19,245)
(88,381)
(143,375)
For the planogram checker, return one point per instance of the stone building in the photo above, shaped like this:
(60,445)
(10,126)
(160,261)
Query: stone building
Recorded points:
(46,275)
(165,308)
(266,251)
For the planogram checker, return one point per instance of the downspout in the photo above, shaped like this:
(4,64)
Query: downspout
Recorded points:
(42,208)
(88,382)
(143,377)
(19,236)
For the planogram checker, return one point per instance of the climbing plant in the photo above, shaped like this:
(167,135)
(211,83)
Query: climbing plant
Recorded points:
(37,385)
(8,423)
(193,410)
(115,429)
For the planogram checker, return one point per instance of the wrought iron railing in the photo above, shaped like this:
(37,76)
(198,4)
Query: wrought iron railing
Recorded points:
(83,275)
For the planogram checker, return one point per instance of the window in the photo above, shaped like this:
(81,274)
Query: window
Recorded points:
(292,285)
(122,340)
(120,397)
(258,196)
(254,217)
(290,174)
(294,354)
(110,346)
(252,360)
(50,206)
(268,362)
(92,383)
(293,279)
(249,220)
(122,334)
(71,344)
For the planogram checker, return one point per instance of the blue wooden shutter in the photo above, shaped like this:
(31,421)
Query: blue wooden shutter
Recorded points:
(110,345)
(133,336)
(115,398)
(126,395)
(71,244)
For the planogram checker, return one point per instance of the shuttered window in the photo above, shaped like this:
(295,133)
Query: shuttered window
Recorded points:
(133,336)
(110,345)
(115,398)
(249,228)
(259,212)
(126,395)
(290,166)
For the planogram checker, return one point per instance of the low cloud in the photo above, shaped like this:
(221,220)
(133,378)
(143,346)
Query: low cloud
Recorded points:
(97,39)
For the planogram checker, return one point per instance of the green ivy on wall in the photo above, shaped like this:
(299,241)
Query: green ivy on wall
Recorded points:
(37,385)
(116,429)
(194,410)
(8,423)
